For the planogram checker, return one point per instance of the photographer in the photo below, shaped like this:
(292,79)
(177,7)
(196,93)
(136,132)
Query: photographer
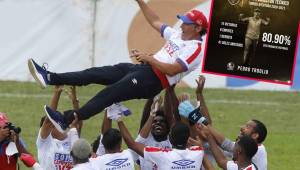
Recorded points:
(9,133)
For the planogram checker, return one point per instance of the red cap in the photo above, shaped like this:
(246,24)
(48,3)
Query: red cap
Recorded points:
(194,17)
(3,119)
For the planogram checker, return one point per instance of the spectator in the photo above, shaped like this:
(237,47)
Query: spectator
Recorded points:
(7,136)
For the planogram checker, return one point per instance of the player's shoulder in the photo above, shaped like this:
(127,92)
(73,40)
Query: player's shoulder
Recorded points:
(196,148)
(156,149)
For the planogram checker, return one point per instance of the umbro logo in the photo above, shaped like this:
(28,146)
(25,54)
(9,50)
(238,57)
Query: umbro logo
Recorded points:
(116,162)
(183,162)
(134,81)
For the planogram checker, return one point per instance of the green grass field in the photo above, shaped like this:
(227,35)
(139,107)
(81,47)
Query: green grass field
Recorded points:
(23,102)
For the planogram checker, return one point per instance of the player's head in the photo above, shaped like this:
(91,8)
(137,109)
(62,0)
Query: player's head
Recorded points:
(112,140)
(179,135)
(160,127)
(244,147)
(194,23)
(257,12)
(81,151)
(255,129)
(55,133)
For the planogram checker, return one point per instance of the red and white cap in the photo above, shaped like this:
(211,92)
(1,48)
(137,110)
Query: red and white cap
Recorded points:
(194,17)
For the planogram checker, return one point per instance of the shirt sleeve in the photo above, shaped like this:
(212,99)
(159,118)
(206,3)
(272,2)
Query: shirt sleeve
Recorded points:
(101,150)
(228,145)
(73,135)
(40,142)
(166,31)
(231,165)
(189,55)
(140,139)
(153,154)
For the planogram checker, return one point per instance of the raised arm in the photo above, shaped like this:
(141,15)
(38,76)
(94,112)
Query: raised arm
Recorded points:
(152,18)
(146,112)
(243,18)
(47,126)
(200,98)
(171,106)
(218,154)
(55,98)
(135,146)
(75,102)
(144,133)
(106,123)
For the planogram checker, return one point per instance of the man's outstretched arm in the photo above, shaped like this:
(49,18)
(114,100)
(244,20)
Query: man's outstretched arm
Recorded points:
(135,146)
(152,18)
(166,68)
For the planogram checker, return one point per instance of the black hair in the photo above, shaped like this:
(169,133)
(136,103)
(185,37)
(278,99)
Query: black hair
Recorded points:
(203,32)
(95,144)
(42,121)
(111,139)
(179,135)
(248,145)
(261,129)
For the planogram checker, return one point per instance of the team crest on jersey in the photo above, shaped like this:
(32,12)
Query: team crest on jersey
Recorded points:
(117,162)
(171,47)
(183,164)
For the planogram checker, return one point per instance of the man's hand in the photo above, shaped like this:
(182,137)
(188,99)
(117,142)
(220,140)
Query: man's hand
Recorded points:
(75,123)
(194,142)
(183,97)
(202,130)
(156,105)
(200,85)
(14,136)
(145,58)
(58,89)
(4,133)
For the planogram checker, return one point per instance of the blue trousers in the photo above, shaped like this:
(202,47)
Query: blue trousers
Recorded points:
(124,81)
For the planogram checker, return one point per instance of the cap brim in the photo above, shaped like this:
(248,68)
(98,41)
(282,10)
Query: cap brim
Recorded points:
(185,19)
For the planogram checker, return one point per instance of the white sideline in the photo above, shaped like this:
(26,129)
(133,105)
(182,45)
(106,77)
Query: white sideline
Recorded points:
(212,101)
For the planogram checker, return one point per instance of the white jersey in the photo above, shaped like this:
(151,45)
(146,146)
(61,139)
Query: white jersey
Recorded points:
(186,53)
(120,161)
(83,166)
(101,150)
(54,154)
(231,165)
(259,159)
(150,141)
(188,159)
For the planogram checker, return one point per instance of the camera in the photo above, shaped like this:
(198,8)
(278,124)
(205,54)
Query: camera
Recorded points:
(196,117)
(11,126)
